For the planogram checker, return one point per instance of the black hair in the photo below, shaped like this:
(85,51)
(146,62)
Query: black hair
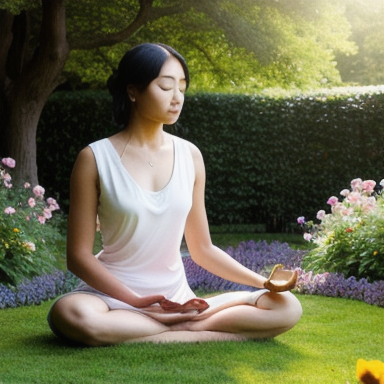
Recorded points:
(138,67)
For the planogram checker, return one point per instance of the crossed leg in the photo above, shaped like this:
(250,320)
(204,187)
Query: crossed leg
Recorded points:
(88,319)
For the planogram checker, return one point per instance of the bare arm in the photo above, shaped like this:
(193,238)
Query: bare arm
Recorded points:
(198,238)
(81,235)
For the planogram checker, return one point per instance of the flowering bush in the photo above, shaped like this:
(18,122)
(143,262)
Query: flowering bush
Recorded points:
(350,239)
(26,241)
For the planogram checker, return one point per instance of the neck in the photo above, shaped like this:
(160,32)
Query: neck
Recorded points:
(145,135)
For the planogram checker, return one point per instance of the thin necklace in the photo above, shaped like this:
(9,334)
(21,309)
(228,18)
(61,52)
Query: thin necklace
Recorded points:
(126,145)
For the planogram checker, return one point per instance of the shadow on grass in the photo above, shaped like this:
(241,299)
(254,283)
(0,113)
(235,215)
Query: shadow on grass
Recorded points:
(213,362)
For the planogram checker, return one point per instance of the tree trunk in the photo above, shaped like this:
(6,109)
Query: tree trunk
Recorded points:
(6,21)
(28,93)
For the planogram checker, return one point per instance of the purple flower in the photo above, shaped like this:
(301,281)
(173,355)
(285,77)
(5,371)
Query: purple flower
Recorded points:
(301,220)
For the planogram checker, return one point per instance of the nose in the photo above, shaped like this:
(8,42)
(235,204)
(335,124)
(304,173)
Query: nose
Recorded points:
(178,96)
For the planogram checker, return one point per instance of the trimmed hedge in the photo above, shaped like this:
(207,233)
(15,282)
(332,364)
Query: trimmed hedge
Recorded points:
(268,160)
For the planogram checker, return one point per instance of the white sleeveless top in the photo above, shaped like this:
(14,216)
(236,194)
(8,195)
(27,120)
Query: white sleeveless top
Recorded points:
(142,230)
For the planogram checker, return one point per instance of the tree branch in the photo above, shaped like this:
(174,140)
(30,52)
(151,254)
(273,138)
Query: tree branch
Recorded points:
(42,72)
(215,66)
(159,12)
(113,38)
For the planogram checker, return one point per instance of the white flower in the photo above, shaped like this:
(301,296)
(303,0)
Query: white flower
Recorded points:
(31,246)
(307,236)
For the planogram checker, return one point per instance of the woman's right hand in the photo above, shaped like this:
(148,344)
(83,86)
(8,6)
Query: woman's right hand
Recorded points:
(146,301)
(195,304)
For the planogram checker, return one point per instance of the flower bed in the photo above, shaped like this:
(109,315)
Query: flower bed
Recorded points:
(37,290)
(260,257)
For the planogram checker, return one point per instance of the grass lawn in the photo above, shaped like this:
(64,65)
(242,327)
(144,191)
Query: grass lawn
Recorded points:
(323,348)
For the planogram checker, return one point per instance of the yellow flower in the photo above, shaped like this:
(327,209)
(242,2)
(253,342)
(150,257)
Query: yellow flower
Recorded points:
(16,230)
(370,372)
(375,253)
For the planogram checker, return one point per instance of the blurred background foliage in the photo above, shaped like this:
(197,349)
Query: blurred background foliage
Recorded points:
(239,46)
(268,159)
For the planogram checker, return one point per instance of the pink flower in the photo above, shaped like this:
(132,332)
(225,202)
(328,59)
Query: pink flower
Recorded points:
(369,203)
(41,219)
(354,197)
(337,208)
(47,213)
(7,177)
(10,163)
(307,236)
(368,186)
(356,184)
(333,200)
(52,204)
(7,185)
(320,215)
(31,202)
(301,220)
(9,210)
(347,211)
(38,191)
(27,185)
(345,192)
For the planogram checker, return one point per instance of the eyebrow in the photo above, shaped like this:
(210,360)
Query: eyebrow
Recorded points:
(173,78)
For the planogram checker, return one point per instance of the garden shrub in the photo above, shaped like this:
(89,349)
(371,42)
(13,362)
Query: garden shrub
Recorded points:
(350,239)
(267,158)
(27,237)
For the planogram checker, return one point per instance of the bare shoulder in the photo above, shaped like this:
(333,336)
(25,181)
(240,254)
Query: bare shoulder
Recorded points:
(85,165)
(84,185)
(86,157)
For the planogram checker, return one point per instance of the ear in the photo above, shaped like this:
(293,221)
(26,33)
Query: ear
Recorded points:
(131,91)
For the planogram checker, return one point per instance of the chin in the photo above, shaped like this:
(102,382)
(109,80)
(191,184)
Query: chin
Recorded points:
(171,121)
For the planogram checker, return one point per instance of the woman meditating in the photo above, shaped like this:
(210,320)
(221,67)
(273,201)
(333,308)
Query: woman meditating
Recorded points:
(146,187)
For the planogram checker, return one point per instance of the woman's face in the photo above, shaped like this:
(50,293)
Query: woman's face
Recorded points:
(162,101)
